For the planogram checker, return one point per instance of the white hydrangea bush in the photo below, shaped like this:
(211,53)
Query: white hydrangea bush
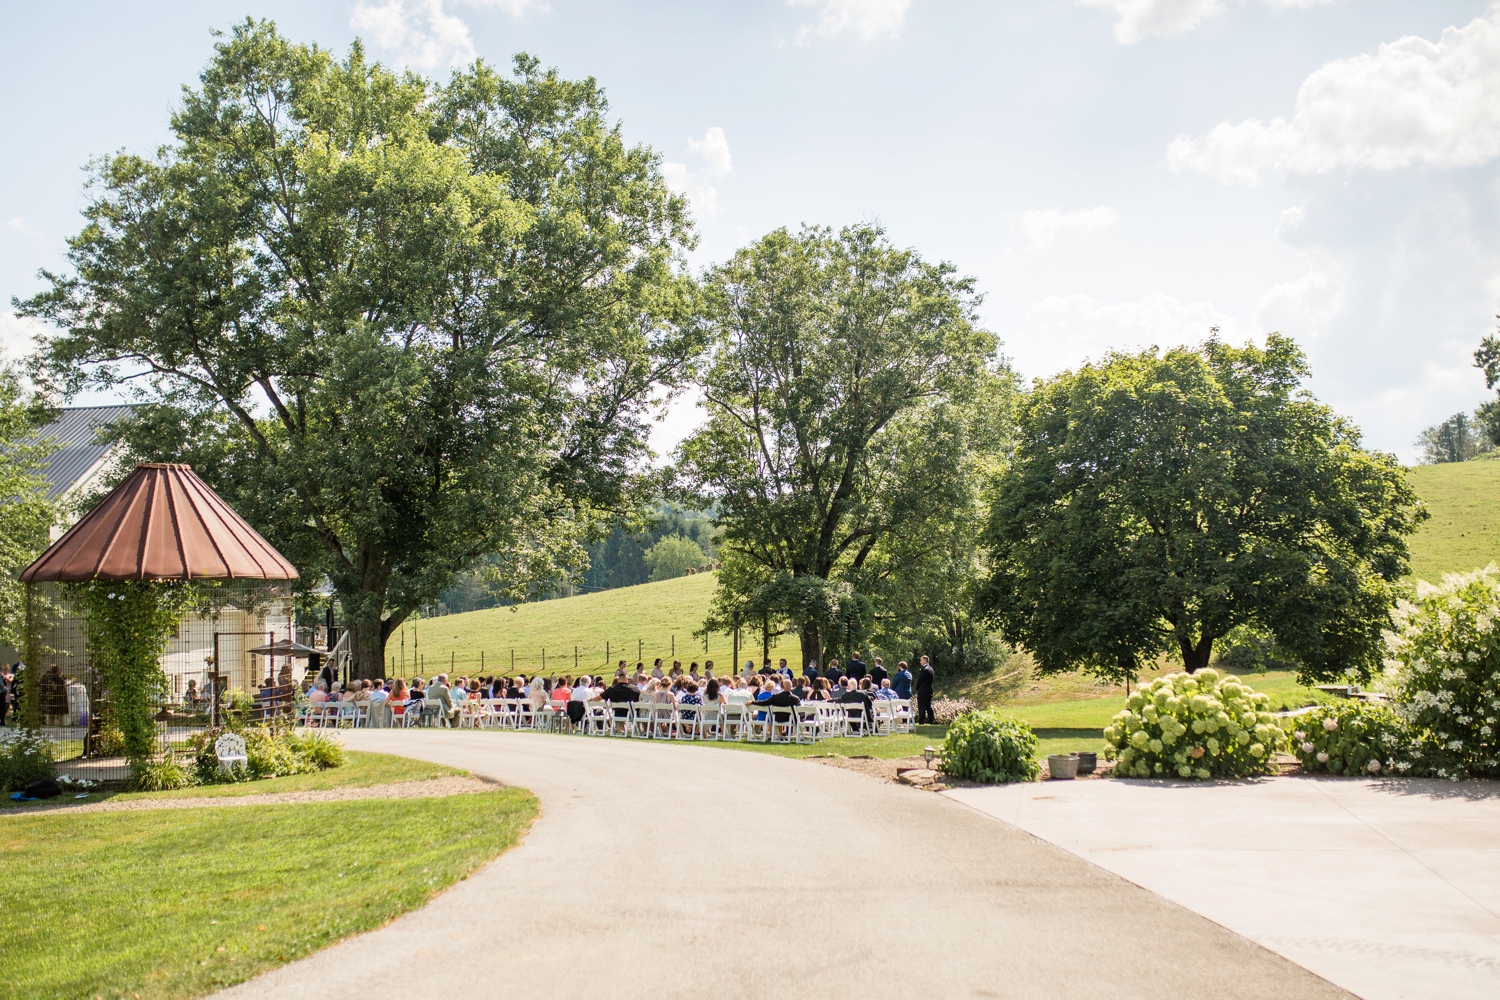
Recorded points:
(1198,725)
(1445,654)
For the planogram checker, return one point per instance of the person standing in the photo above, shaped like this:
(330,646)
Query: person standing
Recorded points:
(6,677)
(857,668)
(833,673)
(878,673)
(925,677)
(811,670)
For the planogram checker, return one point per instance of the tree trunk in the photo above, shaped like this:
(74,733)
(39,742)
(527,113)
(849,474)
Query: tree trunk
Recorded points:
(367,648)
(1196,656)
(812,645)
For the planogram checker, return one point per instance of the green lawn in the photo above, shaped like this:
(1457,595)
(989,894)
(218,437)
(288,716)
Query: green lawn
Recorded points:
(655,614)
(177,903)
(1463,533)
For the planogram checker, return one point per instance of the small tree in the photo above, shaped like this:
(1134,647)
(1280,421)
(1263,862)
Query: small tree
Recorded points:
(673,556)
(1457,439)
(1157,501)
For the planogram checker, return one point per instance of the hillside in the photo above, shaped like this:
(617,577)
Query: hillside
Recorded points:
(1464,531)
(656,615)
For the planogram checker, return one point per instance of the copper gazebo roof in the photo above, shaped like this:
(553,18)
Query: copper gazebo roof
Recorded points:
(161,523)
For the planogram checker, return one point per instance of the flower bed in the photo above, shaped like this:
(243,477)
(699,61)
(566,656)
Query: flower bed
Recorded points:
(1194,726)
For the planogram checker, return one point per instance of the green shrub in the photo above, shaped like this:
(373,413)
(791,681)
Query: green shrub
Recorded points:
(1248,648)
(320,749)
(988,746)
(1352,737)
(1447,647)
(24,757)
(110,742)
(1194,726)
(273,752)
(163,775)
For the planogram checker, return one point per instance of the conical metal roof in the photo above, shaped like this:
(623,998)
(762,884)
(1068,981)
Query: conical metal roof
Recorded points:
(161,523)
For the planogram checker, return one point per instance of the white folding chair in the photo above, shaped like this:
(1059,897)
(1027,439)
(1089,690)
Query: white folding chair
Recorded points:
(620,722)
(885,718)
(597,718)
(809,724)
(902,714)
(855,723)
(757,723)
(711,722)
(732,722)
(783,724)
(687,724)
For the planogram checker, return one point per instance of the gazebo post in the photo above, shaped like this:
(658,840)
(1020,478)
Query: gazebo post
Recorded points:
(31,689)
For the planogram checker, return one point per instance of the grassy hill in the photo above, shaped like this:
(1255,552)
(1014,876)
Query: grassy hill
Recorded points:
(660,617)
(1464,531)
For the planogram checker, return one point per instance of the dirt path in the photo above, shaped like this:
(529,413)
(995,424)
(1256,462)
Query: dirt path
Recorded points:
(431,788)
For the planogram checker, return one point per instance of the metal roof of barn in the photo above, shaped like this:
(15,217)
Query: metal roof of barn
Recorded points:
(75,433)
(161,523)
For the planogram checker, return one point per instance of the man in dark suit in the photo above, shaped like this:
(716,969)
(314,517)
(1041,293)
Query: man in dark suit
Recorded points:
(877,674)
(854,696)
(925,677)
(619,692)
(811,670)
(857,668)
(832,672)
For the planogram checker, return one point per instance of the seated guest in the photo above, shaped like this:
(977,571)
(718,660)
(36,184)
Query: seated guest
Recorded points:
(853,696)
(346,693)
(885,692)
(319,693)
(363,692)
(619,693)
(578,696)
(379,693)
(712,693)
(737,694)
(690,695)
(398,690)
(782,699)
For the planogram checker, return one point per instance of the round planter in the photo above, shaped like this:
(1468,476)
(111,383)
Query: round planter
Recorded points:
(1087,762)
(1062,766)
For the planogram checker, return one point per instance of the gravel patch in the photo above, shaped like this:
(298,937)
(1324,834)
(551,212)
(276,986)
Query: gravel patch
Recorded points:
(431,788)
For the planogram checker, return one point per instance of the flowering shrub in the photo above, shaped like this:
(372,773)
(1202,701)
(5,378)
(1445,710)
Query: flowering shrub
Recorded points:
(988,746)
(1194,726)
(1447,651)
(1352,738)
(273,751)
(946,710)
(24,757)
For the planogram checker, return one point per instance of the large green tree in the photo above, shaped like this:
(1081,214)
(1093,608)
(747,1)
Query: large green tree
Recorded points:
(1157,501)
(828,349)
(405,326)
(25,512)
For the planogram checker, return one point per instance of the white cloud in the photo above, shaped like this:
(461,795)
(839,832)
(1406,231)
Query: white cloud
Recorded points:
(869,19)
(1063,330)
(1305,308)
(18,335)
(1045,226)
(421,33)
(1139,19)
(713,148)
(16,225)
(1414,103)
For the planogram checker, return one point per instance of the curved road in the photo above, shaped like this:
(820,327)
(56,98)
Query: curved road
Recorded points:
(665,871)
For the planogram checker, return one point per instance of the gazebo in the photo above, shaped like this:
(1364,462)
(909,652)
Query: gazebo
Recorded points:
(161,523)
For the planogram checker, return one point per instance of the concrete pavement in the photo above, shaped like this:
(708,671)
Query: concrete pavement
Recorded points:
(668,871)
(1390,889)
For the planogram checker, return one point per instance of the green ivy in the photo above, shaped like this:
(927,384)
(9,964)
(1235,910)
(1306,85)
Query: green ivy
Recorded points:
(129,624)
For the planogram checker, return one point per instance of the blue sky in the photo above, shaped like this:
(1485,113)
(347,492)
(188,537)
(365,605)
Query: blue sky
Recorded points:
(1115,173)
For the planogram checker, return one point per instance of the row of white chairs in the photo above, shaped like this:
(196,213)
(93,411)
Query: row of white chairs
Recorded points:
(805,723)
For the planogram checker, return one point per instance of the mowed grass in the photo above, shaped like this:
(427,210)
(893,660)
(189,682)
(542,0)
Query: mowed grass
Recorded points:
(1463,533)
(177,903)
(653,614)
